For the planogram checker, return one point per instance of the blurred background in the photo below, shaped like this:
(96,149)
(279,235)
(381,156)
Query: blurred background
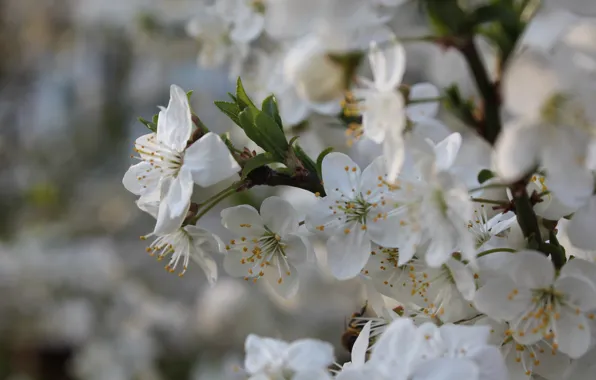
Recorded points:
(79,296)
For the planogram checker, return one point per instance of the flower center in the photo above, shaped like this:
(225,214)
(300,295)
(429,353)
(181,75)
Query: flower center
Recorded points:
(163,161)
(355,210)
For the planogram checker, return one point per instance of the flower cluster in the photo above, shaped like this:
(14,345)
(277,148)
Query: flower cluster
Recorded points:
(479,226)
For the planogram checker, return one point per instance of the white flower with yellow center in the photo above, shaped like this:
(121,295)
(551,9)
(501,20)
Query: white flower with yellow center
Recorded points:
(169,168)
(437,293)
(490,233)
(523,361)
(267,245)
(183,244)
(539,305)
(434,207)
(356,211)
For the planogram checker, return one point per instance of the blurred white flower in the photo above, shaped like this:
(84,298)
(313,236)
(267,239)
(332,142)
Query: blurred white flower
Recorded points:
(550,129)
(316,77)
(303,359)
(383,106)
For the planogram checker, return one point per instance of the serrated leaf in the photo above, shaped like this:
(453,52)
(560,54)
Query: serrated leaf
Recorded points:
(261,129)
(234,100)
(231,110)
(269,106)
(320,161)
(242,98)
(256,162)
(485,175)
(151,126)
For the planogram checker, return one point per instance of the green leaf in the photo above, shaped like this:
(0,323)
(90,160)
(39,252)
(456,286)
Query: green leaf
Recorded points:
(256,162)
(272,133)
(242,98)
(485,175)
(269,106)
(320,161)
(230,109)
(189,94)
(261,129)
(234,100)
(447,17)
(155,119)
(152,126)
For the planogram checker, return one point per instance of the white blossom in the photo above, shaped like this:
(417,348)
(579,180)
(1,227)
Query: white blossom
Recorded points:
(268,358)
(267,245)
(540,305)
(170,168)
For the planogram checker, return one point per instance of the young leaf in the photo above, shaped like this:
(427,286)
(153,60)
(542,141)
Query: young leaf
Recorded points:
(189,94)
(320,161)
(230,109)
(269,106)
(256,162)
(268,127)
(242,98)
(152,126)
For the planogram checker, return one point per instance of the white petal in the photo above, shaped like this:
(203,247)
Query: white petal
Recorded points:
(420,111)
(175,123)
(312,374)
(341,175)
(581,268)
(178,194)
(236,265)
(446,369)
(388,66)
(572,333)
(322,214)
(172,194)
(532,270)
(394,152)
(348,252)
(209,160)
(463,277)
(284,282)
(243,220)
(493,299)
(279,216)
(517,151)
(581,227)
(579,292)
(248,28)
(391,348)
(458,336)
(309,354)
(528,82)
(261,351)
(361,345)
(297,249)
(131,178)
(383,112)
(446,151)
(490,363)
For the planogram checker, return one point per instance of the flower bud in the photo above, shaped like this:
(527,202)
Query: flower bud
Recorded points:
(315,75)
